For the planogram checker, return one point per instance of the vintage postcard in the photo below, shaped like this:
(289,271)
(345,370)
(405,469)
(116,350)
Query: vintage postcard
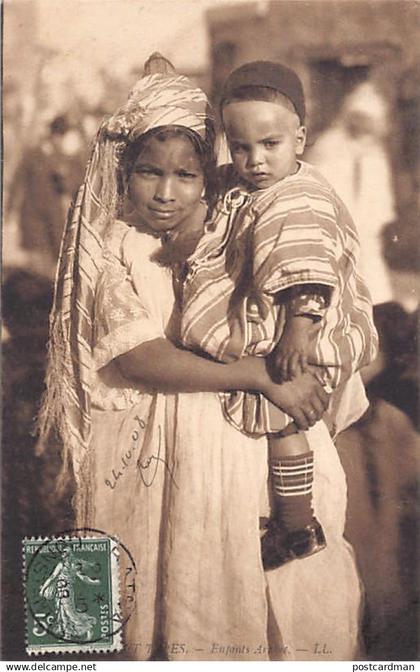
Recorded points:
(209,331)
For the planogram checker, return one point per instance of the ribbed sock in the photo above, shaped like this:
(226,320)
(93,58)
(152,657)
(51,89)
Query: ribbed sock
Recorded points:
(292,479)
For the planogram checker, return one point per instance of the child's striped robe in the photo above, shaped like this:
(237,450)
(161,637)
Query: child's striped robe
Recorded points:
(295,232)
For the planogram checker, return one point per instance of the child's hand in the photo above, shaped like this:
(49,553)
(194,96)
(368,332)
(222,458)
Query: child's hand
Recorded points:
(290,356)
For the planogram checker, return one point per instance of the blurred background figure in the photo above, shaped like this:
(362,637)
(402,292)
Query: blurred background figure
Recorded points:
(408,104)
(380,454)
(352,155)
(47,178)
(400,244)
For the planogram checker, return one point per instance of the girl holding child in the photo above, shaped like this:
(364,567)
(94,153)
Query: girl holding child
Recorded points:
(155,460)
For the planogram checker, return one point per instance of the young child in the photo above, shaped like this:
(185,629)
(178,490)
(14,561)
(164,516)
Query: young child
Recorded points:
(277,272)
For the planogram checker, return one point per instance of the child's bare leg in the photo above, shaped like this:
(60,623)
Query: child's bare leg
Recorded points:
(294,531)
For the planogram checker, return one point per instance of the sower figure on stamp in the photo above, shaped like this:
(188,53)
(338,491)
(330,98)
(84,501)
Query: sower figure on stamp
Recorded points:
(59,586)
(156,463)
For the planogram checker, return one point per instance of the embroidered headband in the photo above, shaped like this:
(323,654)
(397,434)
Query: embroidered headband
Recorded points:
(159,100)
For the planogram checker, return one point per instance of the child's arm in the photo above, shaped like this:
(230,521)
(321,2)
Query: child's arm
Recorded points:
(282,259)
(305,307)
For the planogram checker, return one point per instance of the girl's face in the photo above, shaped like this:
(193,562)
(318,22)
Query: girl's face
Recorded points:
(166,183)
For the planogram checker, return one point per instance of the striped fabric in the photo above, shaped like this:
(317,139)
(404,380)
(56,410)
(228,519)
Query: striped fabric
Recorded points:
(296,232)
(293,476)
(65,415)
(160,100)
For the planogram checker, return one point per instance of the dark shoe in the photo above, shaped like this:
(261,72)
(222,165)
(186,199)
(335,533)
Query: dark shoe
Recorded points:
(307,541)
(279,546)
(274,551)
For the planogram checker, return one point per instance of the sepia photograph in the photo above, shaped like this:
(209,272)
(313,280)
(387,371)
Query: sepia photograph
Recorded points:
(210,302)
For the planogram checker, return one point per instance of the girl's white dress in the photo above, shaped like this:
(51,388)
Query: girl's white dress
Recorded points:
(184,492)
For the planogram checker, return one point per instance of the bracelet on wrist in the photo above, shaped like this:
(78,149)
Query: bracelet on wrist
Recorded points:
(310,316)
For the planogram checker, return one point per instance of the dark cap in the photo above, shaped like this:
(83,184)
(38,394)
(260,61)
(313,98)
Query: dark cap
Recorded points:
(269,74)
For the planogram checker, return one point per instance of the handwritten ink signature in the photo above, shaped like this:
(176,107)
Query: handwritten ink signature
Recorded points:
(148,467)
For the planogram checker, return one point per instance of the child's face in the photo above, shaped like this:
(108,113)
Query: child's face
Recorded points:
(166,183)
(264,140)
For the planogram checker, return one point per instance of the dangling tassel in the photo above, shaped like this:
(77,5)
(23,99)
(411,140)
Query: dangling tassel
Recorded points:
(110,188)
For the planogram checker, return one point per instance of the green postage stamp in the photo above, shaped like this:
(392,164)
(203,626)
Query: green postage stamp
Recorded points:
(72,594)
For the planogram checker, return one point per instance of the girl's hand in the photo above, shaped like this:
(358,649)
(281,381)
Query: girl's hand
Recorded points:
(303,398)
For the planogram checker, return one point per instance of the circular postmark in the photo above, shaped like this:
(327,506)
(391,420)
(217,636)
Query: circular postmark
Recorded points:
(79,590)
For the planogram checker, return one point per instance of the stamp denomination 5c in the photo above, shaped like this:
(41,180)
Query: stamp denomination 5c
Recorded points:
(72,594)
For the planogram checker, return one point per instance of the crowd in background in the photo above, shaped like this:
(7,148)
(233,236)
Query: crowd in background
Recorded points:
(379,453)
